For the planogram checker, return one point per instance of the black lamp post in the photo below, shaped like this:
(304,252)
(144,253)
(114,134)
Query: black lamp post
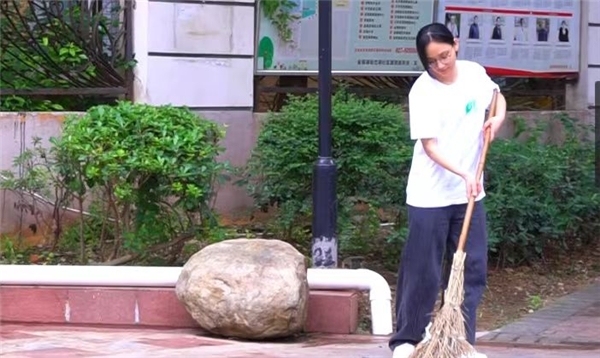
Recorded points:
(597,125)
(324,224)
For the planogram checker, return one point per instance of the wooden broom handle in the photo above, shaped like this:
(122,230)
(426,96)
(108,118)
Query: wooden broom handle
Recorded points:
(486,143)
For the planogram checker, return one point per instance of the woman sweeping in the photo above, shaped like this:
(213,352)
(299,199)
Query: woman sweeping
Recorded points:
(447,106)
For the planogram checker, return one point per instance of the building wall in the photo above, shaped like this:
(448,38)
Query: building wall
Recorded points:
(195,53)
(200,54)
(593,47)
(580,94)
(17,131)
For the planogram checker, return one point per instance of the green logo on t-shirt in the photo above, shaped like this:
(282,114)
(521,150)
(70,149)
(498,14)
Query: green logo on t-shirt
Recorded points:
(470,106)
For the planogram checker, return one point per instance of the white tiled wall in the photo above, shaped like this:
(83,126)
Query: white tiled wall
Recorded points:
(194,40)
(593,44)
(593,48)
(594,11)
(200,82)
(199,28)
(204,28)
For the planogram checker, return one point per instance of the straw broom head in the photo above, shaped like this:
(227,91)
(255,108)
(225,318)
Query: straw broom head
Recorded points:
(448,333)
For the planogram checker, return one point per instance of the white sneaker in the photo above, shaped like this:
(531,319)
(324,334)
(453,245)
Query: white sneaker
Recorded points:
(427,335)
(403,351)
(475,355)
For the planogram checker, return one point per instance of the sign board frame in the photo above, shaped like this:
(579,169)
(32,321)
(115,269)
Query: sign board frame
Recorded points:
(437,14)
(518,38)
(335,72)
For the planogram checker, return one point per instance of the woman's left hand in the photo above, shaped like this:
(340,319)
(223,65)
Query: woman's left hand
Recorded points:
(493,124)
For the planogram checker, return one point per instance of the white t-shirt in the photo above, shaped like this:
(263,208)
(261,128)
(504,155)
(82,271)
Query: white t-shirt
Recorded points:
(454,114)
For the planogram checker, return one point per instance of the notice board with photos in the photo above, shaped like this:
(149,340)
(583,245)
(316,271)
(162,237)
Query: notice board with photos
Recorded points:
(530,38)
(516,37)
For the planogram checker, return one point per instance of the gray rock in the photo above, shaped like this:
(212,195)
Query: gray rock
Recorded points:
(246,288)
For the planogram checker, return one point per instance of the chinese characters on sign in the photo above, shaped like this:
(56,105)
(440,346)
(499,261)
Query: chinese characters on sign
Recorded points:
(369,36)
(509,37)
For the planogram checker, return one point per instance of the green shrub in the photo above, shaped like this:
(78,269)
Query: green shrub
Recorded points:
(371,148)
(155,165)
(59,47)
(541,196)
(146,171)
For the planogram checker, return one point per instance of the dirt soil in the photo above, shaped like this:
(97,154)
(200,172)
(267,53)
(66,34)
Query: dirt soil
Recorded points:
(513,293)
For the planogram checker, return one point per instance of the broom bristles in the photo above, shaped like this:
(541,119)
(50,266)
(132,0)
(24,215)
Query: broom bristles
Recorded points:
(448,333)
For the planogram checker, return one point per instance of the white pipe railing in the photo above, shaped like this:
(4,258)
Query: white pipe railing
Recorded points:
(380,294)
(73,275)
(152,276)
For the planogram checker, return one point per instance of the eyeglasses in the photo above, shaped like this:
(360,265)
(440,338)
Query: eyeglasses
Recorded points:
(444,58)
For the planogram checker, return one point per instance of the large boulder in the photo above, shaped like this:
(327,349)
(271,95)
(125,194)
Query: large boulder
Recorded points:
(246,288)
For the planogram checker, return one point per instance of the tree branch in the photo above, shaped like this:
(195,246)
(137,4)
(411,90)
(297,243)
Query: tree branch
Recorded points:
(130,257)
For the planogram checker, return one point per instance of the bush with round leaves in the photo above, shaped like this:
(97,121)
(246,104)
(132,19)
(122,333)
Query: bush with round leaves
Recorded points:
(148,170)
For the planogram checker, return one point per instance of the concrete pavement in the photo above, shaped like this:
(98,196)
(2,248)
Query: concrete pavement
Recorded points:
(569,328)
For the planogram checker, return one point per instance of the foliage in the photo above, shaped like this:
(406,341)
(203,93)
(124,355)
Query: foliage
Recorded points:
(148,172)
(541,196)
(9,255)
(371,150)
(22,62)
(278,12)
(13,254)
(59,46)
(39,186)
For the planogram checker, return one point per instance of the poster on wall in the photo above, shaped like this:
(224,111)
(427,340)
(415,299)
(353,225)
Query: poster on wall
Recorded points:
(529,38)
(368,37)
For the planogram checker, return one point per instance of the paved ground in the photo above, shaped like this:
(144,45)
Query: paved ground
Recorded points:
(572,321)
(570,328)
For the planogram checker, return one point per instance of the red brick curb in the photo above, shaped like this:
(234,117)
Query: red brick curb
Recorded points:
(328,311)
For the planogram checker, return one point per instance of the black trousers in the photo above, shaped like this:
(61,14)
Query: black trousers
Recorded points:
(433,235)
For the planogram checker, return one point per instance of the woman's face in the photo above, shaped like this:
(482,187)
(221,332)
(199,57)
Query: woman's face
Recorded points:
(441,58)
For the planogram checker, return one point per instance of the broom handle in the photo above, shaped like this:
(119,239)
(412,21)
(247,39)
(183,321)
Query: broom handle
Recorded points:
(486,143)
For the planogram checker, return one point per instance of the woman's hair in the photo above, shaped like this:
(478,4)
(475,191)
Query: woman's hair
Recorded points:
(434,32)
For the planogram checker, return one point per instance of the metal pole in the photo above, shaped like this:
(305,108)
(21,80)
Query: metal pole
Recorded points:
(597,129)
(324,241)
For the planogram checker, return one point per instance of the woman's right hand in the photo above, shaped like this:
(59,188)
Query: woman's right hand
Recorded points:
(473,186)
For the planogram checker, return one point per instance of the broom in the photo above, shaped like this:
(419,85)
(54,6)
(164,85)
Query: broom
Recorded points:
(448,333)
